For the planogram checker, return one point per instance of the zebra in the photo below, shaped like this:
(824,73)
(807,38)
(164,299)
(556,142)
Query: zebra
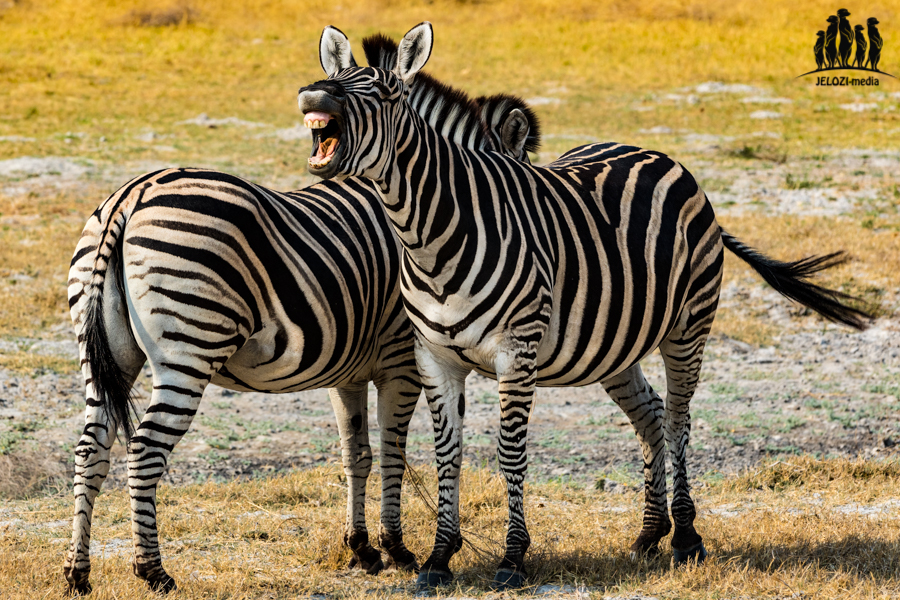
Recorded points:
(211,278)
(562,275)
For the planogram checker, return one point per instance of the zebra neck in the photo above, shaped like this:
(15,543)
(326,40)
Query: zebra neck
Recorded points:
(423,197)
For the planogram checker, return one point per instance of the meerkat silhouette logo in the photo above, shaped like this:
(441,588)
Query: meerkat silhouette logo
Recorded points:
(833,51)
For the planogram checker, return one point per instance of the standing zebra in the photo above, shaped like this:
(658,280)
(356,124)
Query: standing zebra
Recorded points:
(564,275)
(211,278)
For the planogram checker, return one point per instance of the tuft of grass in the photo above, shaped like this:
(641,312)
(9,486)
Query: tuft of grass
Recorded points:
(818,474)
(764,152)
(29,474)
(36,364)
(179,14)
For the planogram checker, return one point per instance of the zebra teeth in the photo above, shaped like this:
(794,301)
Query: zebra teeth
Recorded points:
(316,120)
(319,165)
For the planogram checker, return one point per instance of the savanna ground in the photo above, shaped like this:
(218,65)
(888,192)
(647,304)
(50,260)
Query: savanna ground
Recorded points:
(795,423)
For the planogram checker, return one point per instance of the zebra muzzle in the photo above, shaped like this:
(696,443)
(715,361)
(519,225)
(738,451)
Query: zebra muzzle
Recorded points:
(322,117)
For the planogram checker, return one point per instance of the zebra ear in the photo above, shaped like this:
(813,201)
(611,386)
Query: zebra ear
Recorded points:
(414,51)
(334,51)
(514,131)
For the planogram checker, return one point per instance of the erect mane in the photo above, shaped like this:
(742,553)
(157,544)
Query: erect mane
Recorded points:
(494,110)
(448,110)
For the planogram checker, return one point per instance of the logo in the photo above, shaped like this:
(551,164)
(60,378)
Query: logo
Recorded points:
(834,51)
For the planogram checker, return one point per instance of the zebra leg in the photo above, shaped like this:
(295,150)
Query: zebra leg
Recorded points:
(445,387)
(644,408)
(176,395)
(683,356)
(91,468)
(349,403)
(396,402)
(100,425)
(517,377)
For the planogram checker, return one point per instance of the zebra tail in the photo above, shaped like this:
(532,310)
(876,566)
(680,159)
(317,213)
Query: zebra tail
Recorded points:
(791,279)
(112,388)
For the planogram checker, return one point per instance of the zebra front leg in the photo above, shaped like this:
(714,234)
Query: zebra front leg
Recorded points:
(397,400)
(173,405)
(445,390)
(682,357)
(349,403)
(644,408)
(516,377)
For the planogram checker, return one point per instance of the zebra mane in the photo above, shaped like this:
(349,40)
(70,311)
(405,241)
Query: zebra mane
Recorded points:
(450,111)
(494,110)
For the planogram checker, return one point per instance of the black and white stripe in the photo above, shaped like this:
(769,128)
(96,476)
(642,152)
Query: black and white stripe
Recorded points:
(563,275)
(213,279)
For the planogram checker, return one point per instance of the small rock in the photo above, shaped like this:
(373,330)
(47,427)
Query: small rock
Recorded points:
(765,114)
(542,101)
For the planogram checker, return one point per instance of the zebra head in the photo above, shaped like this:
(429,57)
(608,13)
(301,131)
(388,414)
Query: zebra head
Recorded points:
(352,113)
(513,127)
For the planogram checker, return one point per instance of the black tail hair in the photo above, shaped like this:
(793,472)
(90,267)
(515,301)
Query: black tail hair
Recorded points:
(112,388)
(791,279)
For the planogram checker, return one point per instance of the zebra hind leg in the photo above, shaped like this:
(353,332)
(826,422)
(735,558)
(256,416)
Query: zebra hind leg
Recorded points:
(397,400)
(683,357)
(177,391)
(349,404)
(91,468)
(644,409)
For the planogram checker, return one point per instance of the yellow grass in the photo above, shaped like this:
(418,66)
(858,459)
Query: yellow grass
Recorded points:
(99,68)
(793,531)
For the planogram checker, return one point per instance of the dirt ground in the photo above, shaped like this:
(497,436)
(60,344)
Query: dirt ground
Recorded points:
(827,392)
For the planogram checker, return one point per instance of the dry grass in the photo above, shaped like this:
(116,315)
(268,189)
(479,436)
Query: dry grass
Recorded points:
(37,238)
(89,67)
(26,474)
(793,528)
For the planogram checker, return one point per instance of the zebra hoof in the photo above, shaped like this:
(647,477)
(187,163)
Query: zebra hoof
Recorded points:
(367,559)
(163,585)
(507,579)
(80,589)
(428,580)
(406,564)
(696,554)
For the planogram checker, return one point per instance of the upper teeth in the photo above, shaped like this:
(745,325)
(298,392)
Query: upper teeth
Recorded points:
(315,123)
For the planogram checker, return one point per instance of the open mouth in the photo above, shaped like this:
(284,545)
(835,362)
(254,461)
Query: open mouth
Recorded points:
(326,134)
